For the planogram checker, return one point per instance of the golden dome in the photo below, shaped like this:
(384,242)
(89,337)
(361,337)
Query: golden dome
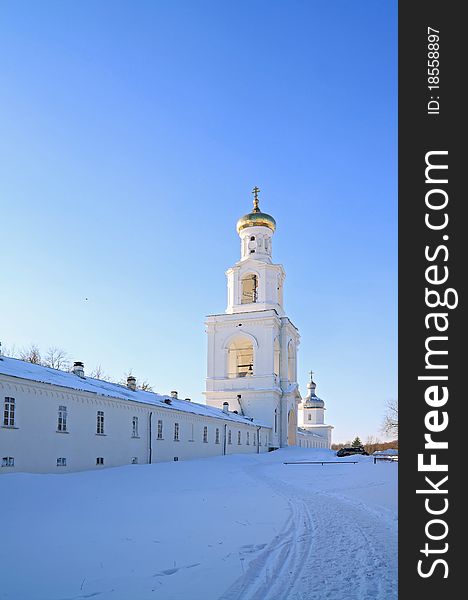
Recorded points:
(256,218)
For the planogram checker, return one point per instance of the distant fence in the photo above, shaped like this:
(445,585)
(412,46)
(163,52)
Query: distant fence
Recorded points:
(385,457)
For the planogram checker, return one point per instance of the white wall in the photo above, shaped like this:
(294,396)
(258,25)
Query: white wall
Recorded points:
(306,440)
(35,444)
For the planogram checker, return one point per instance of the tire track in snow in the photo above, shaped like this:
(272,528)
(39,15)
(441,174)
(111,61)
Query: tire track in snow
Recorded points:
(271,574)
(330,547)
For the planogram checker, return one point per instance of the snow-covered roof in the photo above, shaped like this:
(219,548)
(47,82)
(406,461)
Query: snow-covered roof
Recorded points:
(31,372)
(308,432)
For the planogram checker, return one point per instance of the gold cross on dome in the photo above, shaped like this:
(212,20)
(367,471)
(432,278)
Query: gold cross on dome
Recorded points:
(255,193)
(311,375)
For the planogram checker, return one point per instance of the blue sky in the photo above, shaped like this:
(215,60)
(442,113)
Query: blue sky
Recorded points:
(131,136)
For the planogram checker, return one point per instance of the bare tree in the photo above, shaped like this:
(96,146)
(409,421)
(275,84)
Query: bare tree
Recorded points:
(372,444)
(56,358)
(98,373)
(31,354)
(390,422)
(145,386)
(11,351)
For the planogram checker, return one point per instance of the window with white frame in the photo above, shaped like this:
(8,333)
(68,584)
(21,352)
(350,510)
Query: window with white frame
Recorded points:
(160,429)
(100,422)
(8,461)
(229,437)
(254,439)
(62,418)
(135,427)
(248,438)
(309,417)
(100,460)
(176,432)
(205,434)
(217,436)
(61,462)
(238,438)
(9,412)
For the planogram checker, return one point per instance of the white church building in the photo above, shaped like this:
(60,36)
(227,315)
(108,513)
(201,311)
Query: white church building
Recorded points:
(58,421)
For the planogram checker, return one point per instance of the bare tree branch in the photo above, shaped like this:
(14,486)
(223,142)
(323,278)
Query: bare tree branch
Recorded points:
(56,358)
(11,351)
(31,354)
(145,386)
(390,422)
(98,373)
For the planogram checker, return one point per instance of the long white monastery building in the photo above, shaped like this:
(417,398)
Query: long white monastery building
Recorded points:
(58,421)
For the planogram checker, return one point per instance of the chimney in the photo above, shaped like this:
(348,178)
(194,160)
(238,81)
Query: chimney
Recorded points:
(78,369)
(226,407)
(173,394)
(131,383)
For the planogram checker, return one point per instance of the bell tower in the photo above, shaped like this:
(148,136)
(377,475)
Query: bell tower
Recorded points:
(252,347)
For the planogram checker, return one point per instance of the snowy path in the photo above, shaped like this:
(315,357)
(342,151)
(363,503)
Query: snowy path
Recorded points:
(329,545)
(228,528)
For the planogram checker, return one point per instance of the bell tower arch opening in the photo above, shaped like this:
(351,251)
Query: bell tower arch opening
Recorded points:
(240,357)
(249,288)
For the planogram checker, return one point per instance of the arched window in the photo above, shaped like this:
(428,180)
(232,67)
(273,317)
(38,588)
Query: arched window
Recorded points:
(291,361)
(249,288)
(240,359)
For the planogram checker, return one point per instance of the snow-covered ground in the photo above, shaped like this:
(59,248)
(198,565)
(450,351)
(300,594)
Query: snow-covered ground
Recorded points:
(227,528)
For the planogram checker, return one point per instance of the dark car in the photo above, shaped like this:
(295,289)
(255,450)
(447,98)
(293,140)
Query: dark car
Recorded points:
(349,451)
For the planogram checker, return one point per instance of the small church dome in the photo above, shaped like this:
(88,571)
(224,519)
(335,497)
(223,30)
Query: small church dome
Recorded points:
(256,218)
(311,400)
